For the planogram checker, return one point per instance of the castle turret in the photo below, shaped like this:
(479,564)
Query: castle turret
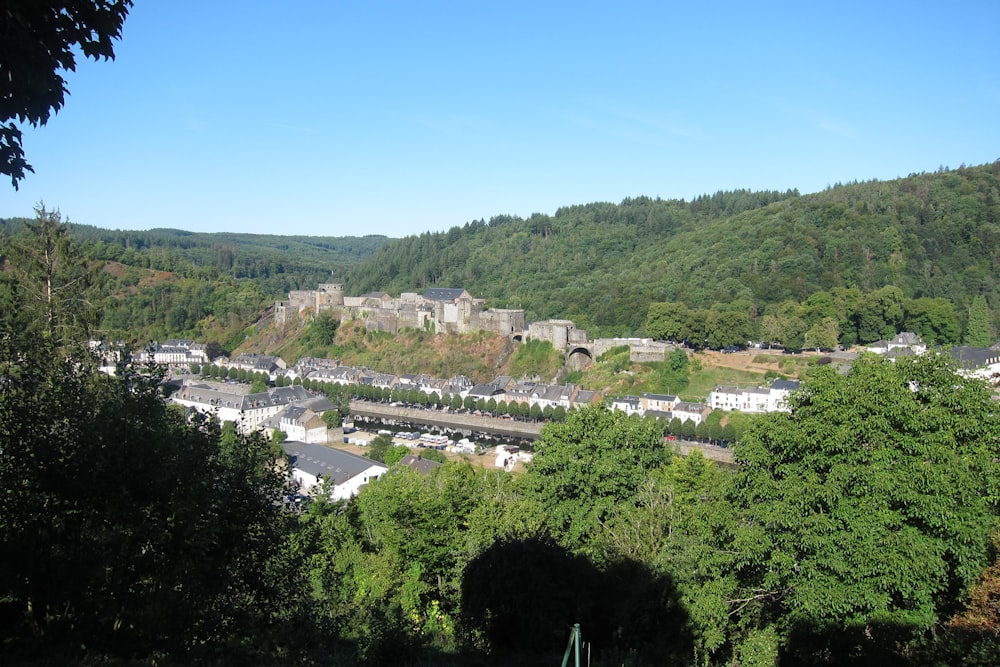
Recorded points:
(329,294)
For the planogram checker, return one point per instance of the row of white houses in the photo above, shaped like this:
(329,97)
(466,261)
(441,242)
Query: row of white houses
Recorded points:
(502,388)
(174,352)
(753,399)
(727,398)
(661,406)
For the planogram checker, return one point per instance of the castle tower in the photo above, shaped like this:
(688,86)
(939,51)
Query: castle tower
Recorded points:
(329,294)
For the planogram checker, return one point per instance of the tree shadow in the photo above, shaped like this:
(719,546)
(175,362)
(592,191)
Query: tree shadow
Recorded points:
(520,600)
(874,643)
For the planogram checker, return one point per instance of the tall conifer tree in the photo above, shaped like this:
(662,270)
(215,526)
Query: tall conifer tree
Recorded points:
(978,332)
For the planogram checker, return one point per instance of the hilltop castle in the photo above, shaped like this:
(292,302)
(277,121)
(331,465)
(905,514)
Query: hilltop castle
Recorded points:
(441,310)
(449,310)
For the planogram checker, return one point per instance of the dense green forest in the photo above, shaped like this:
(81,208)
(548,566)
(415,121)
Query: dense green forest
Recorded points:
(860,528)
(169,283)
(929,236)
(853,264)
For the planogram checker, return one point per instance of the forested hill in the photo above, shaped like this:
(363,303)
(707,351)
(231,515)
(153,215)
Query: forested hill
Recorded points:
(165,283)
(275,263)
(921,249)
(601,264)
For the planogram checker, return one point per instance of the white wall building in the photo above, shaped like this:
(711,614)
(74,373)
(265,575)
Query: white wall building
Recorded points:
(345,472)
(686,411)
(247,411)
(174,352)
(303,425)
(753,399)
(630,405)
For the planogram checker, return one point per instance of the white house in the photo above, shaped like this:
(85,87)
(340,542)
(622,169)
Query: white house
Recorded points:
(906,341)
(757,399)
(258,363)
(753,399)
(630,405)
(346,473)
(726,397)
(780,391)
(686,411)
(304,425)
(554,395)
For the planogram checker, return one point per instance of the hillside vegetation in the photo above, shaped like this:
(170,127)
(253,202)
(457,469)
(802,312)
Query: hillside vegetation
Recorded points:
(170,283)
(852,264)
(858,528)
(481,356)
(602,265)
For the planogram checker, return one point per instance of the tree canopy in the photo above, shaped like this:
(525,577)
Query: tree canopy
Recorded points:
(588,465)
(125,529)
(868,510)
(603,264)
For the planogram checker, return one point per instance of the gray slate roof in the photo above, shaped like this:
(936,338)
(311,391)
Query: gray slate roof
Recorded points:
(667,398)
(318,460)
(204,394)
(631,401)
(443,293)
(484,391)
(423,466)
(787,385)
(974,357)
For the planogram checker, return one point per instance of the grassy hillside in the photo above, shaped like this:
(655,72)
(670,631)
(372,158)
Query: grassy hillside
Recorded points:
(481,356)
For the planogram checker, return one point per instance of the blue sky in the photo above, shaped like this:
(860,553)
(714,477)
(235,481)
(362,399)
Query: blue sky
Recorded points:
(346,118)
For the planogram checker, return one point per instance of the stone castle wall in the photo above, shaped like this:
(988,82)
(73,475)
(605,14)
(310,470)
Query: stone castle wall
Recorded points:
(561,333)
(463,315)
(640,349)
(410,310)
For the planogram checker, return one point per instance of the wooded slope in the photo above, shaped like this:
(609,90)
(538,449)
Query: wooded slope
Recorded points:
(602,264)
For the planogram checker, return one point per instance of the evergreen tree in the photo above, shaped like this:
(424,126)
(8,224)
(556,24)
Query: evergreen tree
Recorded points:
(125,531)
(978,331)
(49,290)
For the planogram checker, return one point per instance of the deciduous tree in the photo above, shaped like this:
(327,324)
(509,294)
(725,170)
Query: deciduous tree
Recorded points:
(865,513)
(934,319)
(586,466)
(667,321)
(824,335)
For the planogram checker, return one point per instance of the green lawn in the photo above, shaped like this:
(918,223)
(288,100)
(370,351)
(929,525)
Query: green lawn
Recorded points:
(703,381)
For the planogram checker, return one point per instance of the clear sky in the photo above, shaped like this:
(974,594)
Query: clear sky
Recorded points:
(319,117)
